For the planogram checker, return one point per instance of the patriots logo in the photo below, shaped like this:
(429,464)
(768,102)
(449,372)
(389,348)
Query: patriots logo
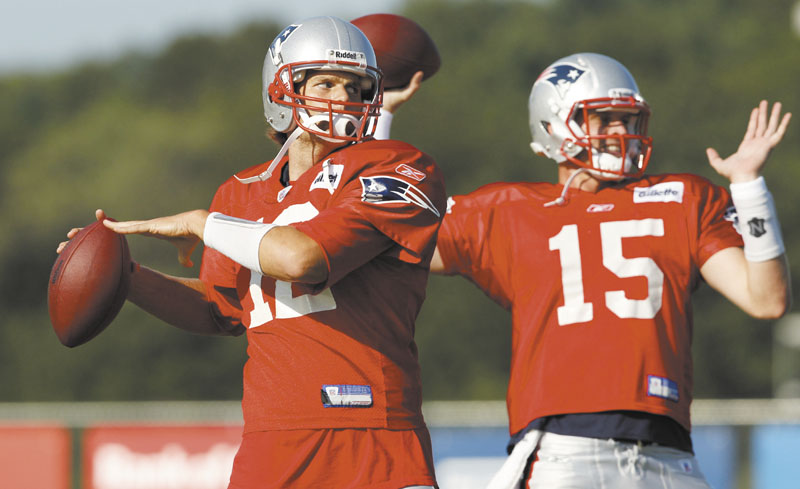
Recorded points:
(385,190)
(275,47)
(561,77)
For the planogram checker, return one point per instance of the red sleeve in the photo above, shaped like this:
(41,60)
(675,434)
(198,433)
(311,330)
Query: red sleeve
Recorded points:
(716,230)
(466,239)
(218,273)
(380,211)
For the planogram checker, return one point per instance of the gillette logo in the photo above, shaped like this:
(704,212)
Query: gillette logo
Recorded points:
(661,192)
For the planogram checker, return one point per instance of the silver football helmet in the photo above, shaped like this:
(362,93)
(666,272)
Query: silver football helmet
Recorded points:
(321,43)
(564,96)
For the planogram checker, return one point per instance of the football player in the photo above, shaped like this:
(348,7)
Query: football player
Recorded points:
(321,256)
(598,272)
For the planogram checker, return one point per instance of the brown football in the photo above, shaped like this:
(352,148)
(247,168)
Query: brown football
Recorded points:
(402,47)
(88,284)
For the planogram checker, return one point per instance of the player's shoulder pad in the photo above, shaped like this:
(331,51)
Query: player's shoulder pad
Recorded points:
(689,178)
(396,172)
(377,152)
(504,193)
(673,187)
(692,183)
(390,157)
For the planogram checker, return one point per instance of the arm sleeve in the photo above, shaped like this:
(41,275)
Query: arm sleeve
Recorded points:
(716,226)
(399,221)
(384,125)
(466,250)
(218,272)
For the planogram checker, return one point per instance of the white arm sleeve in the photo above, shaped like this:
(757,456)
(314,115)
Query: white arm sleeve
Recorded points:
(758,221)
(238,239)
(384,125)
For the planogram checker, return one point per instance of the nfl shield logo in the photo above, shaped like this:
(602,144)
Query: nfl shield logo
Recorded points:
(757,227)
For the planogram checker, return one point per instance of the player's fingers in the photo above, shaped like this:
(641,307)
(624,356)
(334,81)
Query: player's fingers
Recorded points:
(417,78)
(774,117)
(72,232)
(185,261)
(713,156)
(752,124)
(413,85)
(784,123)
(186,247)
(777,135)
(128,227)
(61,246)
(100,214)
(763,110)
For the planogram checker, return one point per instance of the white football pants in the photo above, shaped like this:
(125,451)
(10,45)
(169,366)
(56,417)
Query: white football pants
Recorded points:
(573,462)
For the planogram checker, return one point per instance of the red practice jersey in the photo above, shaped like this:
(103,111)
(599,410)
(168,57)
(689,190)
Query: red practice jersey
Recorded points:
(599,288)
(339,354)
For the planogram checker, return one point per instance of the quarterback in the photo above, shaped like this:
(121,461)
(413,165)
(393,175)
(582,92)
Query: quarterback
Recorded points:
(598,272)
(322,257)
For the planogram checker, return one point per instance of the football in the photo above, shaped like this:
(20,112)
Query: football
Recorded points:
(88,284)
(402,47)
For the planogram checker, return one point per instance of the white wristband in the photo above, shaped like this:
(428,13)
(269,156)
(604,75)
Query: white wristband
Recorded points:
(758,221)
(384,125)
(238,239)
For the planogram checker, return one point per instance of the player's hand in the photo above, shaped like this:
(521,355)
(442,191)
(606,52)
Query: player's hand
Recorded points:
(762,135)
(183,230)
(99,214)
(394,98)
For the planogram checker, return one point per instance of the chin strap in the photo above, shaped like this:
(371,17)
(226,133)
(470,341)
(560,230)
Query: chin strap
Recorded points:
(275,161)
(561,200)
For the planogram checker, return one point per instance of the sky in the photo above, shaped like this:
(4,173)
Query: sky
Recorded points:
(51,35)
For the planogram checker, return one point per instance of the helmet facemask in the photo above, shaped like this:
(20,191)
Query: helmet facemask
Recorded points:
(331,120)
(609,156)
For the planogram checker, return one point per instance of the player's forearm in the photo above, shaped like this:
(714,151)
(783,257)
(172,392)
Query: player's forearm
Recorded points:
(769,287)
(280,252)
(767,269)
(289,255)
(180,302)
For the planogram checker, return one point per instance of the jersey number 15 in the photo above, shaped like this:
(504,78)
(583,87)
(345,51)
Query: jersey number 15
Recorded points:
(575,308)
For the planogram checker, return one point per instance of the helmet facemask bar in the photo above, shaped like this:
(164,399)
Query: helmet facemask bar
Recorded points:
(332,120)
(634,147)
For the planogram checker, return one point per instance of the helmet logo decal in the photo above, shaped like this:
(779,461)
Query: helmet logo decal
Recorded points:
(561,77)
(337,55)
(275,47)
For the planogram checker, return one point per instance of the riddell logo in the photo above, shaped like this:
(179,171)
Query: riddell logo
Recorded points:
(336,55)
(345,55)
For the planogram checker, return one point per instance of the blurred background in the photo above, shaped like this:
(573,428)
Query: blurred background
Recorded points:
(143,108)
